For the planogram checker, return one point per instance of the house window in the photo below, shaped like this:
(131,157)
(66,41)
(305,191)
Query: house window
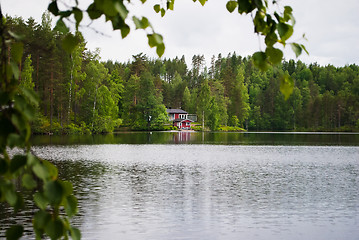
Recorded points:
(182,116)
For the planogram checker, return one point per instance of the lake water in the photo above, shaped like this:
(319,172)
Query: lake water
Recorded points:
(209,186)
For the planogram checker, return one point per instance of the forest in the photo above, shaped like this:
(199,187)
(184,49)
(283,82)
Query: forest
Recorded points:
(81,94)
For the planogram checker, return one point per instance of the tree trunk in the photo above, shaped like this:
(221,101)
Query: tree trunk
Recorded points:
(94,108)
(51,99)
(70,92)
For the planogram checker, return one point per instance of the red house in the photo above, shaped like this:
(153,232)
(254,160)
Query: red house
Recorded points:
(179,118)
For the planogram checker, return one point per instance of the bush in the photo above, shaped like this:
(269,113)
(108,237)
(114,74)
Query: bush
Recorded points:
(231,129)
(169,128)
(196,128)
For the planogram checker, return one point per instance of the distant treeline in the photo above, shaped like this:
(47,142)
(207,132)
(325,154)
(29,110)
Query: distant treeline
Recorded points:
(81,94)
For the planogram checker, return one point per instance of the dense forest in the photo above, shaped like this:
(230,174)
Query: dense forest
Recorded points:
(79,93)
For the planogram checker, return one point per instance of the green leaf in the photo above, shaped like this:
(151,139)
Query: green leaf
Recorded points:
(41,171)
(163,12)
(70,42)
(40,200)
(51,169)
(274,55)
(78,16)
(259,23)
(245,6)
(31,95)
(287,15)
(297,49)
(75,233)
(17,50)
(45,170)
(202,2)
(68,188)
(140,24)
(28,181)
(305,50)
(285,31)
(19,203)
(271,39)
(11,196)
(288,10)
(117,22)
(157,8)
(137,22)
(286,85)
(54,192)
(32,160)
(170,4)
(125,30)
(53,8)
(3,166)
(41,218)
(17,162)
(14,232)
(71,205)
(93,11)
(151,40)
(260,61)
(145,23)
(231,6)
(19,121)
(54,229)
(109,8)
(65,14)
(122,10)
(14,70)
(160,49)
(61,27)
(15,139)
(23,107)
(154,39)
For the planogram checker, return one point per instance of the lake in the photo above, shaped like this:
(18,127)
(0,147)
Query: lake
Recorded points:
(166,185)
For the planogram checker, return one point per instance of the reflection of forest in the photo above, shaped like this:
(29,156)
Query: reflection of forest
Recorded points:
(227,138)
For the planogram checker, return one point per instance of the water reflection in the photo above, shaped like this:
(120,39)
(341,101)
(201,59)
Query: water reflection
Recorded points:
(212,191)
(218,138)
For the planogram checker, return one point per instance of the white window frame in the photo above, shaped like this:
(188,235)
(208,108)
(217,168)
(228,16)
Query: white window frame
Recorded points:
(182,116)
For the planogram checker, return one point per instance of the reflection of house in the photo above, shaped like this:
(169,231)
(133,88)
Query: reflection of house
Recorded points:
(179,118)
(182,137)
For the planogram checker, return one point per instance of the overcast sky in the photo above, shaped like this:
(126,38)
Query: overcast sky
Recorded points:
(331,27)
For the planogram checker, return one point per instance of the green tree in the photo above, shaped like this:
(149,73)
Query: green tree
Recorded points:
(152,114)
(217,91)
(239,98)
(214,114)
(26,74)
(77,76)
(204,98)
(186,100)
(96,74)
(130,100)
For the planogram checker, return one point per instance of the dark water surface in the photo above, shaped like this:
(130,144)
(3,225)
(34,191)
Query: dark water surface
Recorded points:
(220,186)
(216,138)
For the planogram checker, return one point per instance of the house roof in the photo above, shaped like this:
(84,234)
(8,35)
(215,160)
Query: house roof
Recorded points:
(182,120)
(176,111)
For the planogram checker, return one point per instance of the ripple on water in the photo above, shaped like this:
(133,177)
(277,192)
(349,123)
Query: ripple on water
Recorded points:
(212,191)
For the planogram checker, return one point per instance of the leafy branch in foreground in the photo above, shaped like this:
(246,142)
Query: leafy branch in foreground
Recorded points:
(25,170)
(275,26)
